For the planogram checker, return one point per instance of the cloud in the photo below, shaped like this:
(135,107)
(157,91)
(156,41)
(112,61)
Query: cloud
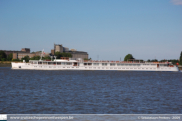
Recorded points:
(177,2)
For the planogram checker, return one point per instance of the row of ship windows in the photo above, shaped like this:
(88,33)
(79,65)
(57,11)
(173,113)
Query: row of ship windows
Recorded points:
(53,63)
(95,64)
(112,64)
(97,67)
(118,64)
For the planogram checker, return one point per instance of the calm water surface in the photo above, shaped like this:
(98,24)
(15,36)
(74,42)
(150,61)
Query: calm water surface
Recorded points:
(89,92)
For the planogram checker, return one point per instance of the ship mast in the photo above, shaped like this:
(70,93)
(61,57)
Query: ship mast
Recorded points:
(42,54)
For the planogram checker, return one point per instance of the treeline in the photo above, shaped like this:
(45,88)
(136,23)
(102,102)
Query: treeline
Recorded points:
(174,61)
(129,57)
(4,57)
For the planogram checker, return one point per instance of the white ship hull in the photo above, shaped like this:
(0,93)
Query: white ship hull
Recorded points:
(81,66)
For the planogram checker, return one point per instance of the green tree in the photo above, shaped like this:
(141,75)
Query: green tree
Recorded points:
(180,59)
(174,61)
(154,60)
(26,58)
(16,60)
(2,56)
(68,55)
(10,57)
(148,60)
(46,58)
(128,57)
(59,55)
(35,58)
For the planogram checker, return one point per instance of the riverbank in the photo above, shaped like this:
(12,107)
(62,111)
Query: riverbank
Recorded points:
(6,63)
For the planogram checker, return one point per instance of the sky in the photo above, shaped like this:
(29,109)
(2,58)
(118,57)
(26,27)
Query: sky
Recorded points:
(106,29)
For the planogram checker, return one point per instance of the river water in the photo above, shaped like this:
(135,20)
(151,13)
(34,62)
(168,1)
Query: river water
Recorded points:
(89,92)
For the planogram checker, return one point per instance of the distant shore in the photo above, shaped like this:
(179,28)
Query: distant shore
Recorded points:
(5,63)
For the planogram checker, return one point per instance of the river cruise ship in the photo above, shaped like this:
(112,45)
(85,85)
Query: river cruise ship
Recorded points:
(79,64)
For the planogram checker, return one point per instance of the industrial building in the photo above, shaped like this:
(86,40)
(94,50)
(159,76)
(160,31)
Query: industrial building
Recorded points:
(21,55)
(57,48)
(75,53)
(23,50)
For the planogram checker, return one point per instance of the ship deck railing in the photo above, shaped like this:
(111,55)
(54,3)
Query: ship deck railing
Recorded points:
(101,61)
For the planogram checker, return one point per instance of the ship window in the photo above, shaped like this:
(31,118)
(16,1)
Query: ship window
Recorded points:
(112,64)
(104,64)
(95,64)
(34,62)
(63,63)
(50,63)
(119,64)
(85,64)
(68,63)
(126,64)
(39,62)
(58,63)
(89,64)
(45,63)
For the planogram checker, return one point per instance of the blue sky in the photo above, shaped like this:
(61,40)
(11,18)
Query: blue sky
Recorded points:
(147,29)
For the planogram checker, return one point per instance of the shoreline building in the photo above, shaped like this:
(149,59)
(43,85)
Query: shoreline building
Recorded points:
(21,55)
(57,48)
(24,52)
(75,53)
